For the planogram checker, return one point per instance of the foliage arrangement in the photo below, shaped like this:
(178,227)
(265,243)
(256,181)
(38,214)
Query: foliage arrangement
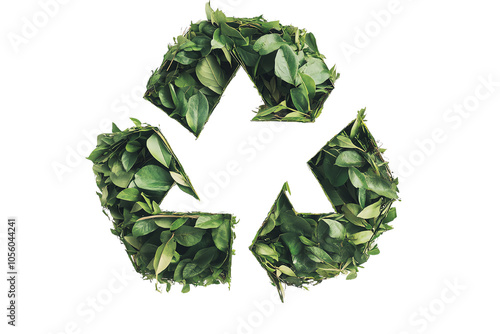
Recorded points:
(134,171)
(301,249)
(282,61)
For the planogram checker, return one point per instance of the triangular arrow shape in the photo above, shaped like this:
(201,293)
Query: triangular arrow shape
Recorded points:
(135,169)
(282,61)
(300,249)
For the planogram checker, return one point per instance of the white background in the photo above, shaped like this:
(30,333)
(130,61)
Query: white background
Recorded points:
(414,69)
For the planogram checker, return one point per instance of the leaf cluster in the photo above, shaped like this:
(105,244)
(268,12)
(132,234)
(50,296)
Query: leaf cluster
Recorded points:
(282,61)
(301,249)
(134,171)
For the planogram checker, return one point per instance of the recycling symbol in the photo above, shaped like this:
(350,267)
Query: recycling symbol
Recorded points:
(135,168)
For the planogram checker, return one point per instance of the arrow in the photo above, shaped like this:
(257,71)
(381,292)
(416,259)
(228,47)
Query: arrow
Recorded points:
(283,63)
(135,169)
(300,249)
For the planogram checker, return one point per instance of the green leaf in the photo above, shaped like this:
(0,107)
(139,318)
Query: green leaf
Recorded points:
(178,223)
(133,241)
(119,176)
(143,227)
(357,178)
(309,84)
(293,223)
(336,229)
(316,69)
(342,141)
(300,98)
(361,237)
(371,211)
(178,178)
(248,55)
(380,186)
(197,113)
(350,158)
(188,236)
(211,221)
(306,241)
(191,270)
(158,150)
(268,43)
(286,65)
(164,256)
(311,42)
(164,222)
(129,160)
(129,194)
(390,216)
(351,212)
(286,270)
(230,31)
(137,123)
(152,177)
(208,11)
(210,74)
(222,235)
(265,250)
(185,80)
(293,243)
(166,98)
(133,146)
(204,256)
(320,254)
(270,225)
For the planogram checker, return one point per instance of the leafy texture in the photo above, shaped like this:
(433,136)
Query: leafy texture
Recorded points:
(277,58)
(187,248)
(300,249)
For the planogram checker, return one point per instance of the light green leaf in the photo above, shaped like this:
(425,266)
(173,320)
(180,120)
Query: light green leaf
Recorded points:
(337,230)
(316,69)
(178,223)
(380,186)
(300,98)
(143,227)
(164,222)
(178,178)
(158,150)
(268,43)
(210,74)
(188,236)
(152,177)
(286,270)
(209,221)
(163,256)
(265,250)
(350,158)
(361,237)
(311,42)
(286,64)
(342,141)
(222,235)
(129,194)
(371,211)
(357,178)
(197,113)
